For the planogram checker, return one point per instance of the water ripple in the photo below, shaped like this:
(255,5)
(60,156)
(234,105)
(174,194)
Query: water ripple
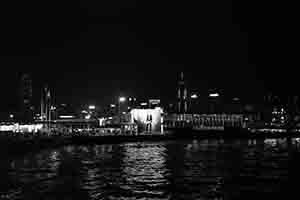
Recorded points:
(195,169)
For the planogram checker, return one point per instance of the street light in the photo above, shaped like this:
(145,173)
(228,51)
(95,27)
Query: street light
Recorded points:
(121,100)
(194,96)
(92,107)
(193,101)
(214,95)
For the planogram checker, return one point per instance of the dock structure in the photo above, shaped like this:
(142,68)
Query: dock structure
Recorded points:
(94,127)
(203,121)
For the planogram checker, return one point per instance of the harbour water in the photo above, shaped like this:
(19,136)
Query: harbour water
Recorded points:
(189,169)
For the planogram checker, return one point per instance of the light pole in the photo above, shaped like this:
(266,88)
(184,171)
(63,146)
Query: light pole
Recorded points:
(214,96)
(121,100)
(11,116)
(193,99)
(91,111)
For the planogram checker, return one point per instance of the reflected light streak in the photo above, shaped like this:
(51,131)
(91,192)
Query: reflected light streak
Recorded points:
(54,160)
(145,164)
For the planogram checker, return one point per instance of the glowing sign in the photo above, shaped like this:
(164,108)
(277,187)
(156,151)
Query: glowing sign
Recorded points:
(147,119)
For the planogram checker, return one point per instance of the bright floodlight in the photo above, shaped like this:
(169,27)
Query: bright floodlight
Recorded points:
(214,95)
(194,96)
(122,99)
(92,107)
(112,105)
(88,117)
(11,116)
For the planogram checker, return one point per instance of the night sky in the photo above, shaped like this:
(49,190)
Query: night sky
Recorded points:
(90,52)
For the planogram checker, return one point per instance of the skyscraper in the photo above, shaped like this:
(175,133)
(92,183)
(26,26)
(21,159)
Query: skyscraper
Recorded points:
(45,104)
(26,101)
(182,106)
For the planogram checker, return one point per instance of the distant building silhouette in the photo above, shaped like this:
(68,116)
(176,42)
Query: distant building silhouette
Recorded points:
(182,99)
(26,99)
(45,104)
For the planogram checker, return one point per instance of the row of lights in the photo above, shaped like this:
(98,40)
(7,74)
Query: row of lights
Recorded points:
(123,99)
(195,96)
(91,108)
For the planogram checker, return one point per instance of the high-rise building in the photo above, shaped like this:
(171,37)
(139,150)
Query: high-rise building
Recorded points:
(182,99)
(45,104)
(26,100)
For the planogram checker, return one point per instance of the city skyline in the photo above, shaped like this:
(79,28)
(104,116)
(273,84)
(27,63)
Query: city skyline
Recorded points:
(226,98)
(148,100)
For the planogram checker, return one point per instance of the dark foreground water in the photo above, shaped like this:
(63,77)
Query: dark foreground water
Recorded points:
(192,169)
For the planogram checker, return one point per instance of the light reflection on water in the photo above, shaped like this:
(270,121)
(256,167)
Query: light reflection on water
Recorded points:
(143,167)
(192,169)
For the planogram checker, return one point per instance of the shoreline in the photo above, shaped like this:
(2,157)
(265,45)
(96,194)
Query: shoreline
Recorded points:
(17,146)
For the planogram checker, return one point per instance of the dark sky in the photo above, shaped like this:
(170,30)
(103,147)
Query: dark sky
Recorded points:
(91,51)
